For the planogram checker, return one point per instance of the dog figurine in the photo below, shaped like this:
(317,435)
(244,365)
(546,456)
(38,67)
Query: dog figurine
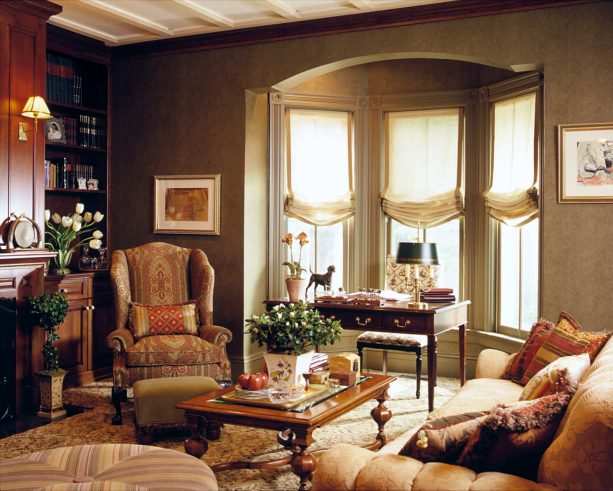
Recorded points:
(324,280)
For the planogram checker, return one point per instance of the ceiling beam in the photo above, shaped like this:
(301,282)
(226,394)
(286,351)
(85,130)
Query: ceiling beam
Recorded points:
(129,17)
(81,29)
(282,8)
(207,14)
(365,5)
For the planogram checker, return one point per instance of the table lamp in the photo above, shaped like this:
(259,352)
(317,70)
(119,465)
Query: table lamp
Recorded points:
(417,254)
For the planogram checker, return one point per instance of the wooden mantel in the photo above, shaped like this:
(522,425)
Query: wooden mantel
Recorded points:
(22,275)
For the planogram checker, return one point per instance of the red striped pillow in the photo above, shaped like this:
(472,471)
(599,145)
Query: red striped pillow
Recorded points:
(539,333)
(559,343)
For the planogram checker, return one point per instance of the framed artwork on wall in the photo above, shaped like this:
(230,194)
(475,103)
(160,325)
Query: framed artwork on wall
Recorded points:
(187,204)
(585,163)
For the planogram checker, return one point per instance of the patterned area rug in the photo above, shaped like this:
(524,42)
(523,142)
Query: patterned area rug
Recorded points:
(236,443)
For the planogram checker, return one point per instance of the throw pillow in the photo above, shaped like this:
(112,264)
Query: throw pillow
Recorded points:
(151,320)
(597,339)
(513,438)
(442,439)
(559,343)
(559,375)
(517,367)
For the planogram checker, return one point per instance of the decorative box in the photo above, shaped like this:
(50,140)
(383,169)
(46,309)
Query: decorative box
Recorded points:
(345,377)
(320,377)
(345,362)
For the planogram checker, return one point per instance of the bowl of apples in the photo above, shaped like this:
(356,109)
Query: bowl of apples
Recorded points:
(252,385)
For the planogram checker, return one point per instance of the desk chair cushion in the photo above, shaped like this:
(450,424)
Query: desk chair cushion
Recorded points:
(393,339)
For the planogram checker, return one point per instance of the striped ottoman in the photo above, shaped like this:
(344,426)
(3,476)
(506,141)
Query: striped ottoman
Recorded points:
(113,467)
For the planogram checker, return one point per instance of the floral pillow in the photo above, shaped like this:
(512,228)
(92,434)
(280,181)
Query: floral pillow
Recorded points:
(152,320)
(561,374)
(597,339)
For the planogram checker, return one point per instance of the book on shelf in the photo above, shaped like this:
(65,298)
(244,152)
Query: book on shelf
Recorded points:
(92,131)
(60,173)
(64,80)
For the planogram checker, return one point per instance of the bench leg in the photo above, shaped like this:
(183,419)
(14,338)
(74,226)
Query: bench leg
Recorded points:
(418,374)
(118,394)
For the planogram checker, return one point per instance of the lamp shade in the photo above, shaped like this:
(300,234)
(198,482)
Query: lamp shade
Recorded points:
(36,108)
(421,253)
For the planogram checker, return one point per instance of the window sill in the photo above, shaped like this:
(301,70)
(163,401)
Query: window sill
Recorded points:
(498,341)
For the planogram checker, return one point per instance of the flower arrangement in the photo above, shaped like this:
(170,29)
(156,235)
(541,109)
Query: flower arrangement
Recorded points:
(295,268)
(64,234)
(293,328)
(48,311)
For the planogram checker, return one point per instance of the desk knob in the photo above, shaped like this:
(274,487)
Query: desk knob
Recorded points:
(406,323)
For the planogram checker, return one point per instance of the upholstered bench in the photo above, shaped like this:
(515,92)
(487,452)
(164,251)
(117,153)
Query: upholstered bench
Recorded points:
(117,467)
(155,400)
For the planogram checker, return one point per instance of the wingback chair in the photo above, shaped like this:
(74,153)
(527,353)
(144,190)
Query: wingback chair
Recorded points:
(163,275)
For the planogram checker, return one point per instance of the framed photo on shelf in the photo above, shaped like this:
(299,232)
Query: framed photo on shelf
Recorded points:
(55,131)
(187,204)
(585,163)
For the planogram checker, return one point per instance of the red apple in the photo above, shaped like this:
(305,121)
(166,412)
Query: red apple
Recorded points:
(243,380)
(265,377)
(256,382)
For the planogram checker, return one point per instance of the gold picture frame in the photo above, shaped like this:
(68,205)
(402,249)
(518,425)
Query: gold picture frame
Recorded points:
(187,204)
(585,163)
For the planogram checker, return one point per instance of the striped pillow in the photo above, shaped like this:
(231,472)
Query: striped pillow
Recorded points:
(152,320)
(517,366)
(561,374)
(559,343)
(597,339)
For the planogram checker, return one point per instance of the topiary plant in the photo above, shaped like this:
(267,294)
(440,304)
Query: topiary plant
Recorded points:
(48,311)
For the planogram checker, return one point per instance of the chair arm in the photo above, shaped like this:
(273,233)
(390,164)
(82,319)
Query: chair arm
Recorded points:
(491,363)
(120,339)
(215,334)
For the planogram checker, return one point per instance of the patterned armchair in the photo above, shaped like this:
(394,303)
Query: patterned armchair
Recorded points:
(160,274)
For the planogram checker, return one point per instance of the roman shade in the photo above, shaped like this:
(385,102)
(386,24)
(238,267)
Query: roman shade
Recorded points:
(319,166)
(423,171)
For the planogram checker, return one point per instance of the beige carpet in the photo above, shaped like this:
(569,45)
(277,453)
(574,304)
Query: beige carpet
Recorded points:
(236,443)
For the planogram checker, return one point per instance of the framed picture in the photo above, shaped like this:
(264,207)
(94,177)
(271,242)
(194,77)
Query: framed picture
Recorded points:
(54,131)
(187,204)
(585,163)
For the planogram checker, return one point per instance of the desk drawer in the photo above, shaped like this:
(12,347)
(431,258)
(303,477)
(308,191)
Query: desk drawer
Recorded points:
(397,320)
(354,319)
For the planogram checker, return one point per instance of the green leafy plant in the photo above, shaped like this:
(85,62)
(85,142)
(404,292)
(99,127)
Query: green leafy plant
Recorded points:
(48,311)
(293,329)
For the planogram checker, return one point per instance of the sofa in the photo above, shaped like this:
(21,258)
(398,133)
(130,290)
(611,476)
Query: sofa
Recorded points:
(580,457)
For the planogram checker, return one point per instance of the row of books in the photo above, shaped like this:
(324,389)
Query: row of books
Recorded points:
(64,80)
(71,129)
(61,173)
(438,295)
(92,131)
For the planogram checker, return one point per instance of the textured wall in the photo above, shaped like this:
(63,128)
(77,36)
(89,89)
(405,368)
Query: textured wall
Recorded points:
(185,113)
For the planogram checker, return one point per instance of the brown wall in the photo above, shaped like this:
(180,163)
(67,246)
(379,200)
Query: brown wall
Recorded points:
(185,113)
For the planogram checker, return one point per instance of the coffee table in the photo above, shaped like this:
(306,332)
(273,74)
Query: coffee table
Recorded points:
(295,428)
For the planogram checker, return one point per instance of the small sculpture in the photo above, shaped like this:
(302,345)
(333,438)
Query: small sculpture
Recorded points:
(324,280)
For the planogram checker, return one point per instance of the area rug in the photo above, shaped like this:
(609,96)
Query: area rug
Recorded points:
(236,442)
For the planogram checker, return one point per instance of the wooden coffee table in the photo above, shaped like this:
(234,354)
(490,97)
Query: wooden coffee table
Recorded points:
(295,428)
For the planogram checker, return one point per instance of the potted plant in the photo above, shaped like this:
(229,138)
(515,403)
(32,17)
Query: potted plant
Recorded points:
(290,333)
(295,283)
(48,311)
(64,234)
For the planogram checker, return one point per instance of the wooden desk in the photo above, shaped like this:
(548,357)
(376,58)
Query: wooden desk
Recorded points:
(397,317)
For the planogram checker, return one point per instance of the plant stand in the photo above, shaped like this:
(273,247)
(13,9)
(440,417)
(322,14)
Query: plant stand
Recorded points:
(51,385)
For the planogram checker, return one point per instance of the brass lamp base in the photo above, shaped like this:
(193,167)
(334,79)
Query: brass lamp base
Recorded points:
(418,305)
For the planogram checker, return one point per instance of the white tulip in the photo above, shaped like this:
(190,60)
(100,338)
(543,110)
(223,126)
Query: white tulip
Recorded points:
(95,244)
(79,208)
(97,234)
(75,217)
(66,222)
(76,226)
(56,218)
(98,217)
(87,217)
(47,215)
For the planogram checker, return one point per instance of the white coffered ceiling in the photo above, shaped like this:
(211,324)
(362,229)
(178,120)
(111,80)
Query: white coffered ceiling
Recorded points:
(117,22)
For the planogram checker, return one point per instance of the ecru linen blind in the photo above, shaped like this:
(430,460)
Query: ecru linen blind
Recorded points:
(423,171)
(319,161)
(512,197)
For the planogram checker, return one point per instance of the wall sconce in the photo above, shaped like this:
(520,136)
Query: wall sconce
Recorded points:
(36,108)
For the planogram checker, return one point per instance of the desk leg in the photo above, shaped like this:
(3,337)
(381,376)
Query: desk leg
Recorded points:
(431,370)
(462,335)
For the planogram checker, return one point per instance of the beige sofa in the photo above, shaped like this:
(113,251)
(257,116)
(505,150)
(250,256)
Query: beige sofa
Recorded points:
(579,458)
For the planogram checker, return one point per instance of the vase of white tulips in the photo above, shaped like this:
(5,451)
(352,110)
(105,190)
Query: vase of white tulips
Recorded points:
(66,233)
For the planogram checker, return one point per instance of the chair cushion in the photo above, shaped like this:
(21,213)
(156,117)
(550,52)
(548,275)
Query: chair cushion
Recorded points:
(152,320)
(107,467)
(173,349)
(392,339)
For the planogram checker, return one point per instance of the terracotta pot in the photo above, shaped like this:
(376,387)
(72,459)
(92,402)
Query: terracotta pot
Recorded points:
(296,289)
(51,386)
(286,370)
